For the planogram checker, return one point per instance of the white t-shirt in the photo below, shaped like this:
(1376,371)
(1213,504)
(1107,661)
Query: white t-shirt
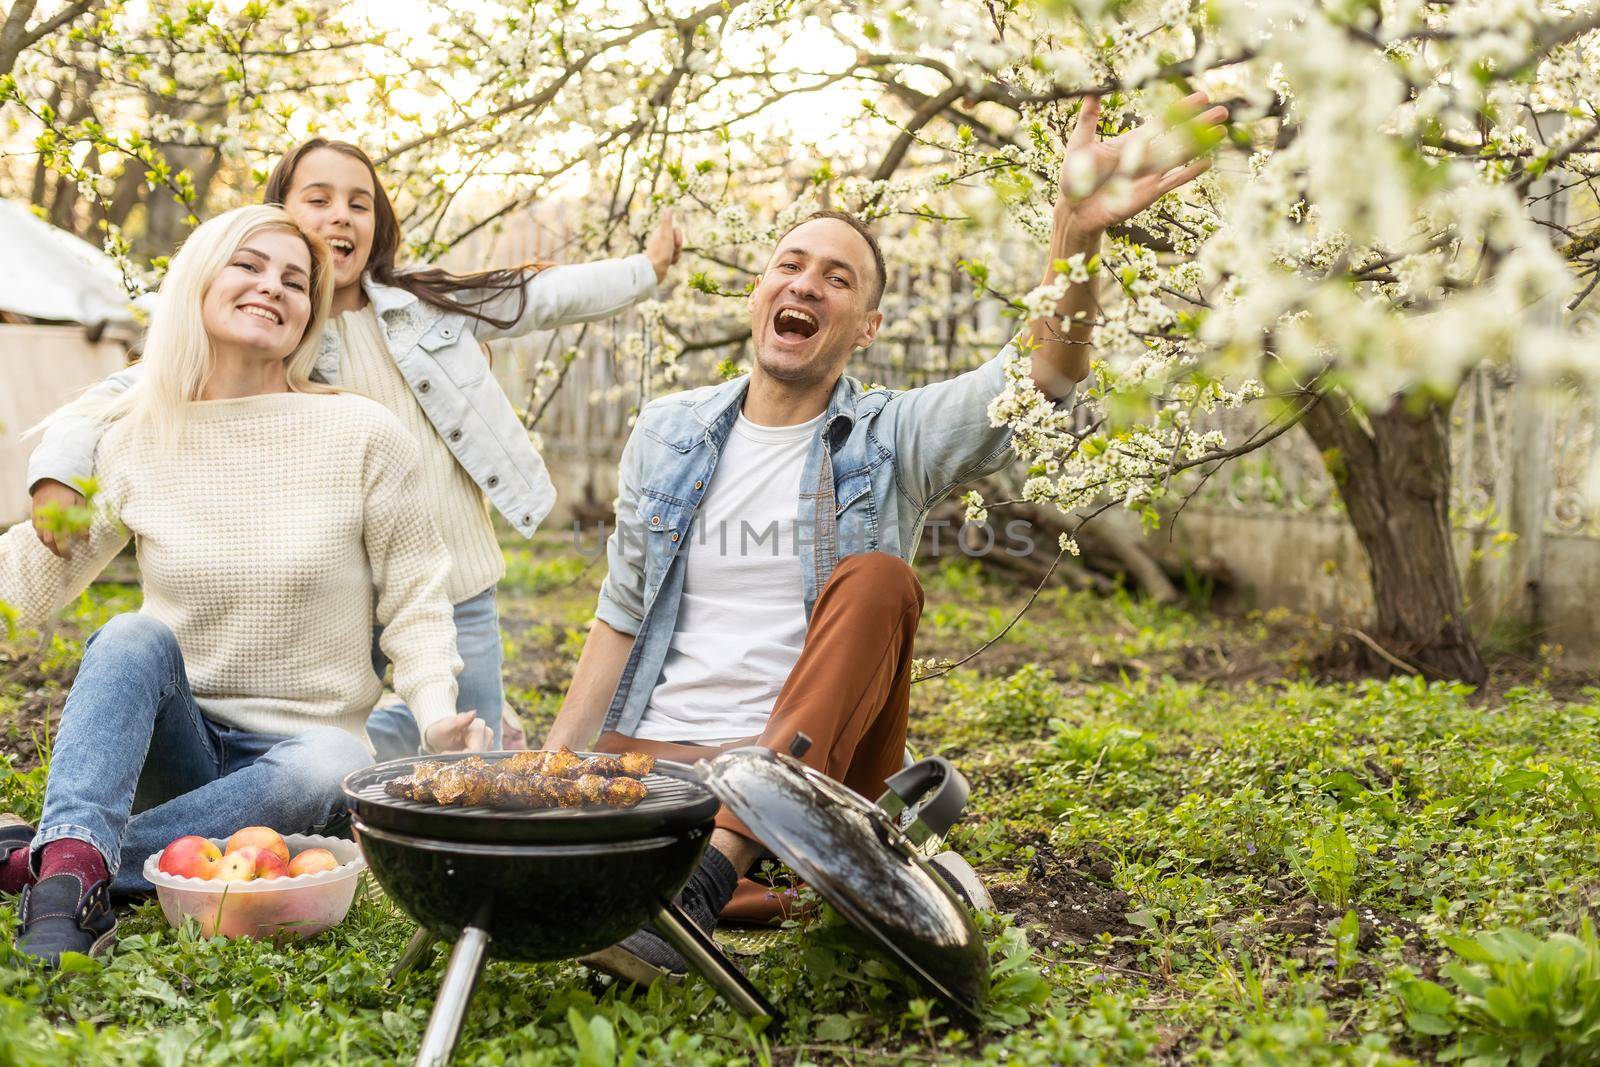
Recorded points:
(742,618)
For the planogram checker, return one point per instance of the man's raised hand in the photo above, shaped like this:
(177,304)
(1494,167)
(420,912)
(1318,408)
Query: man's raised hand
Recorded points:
(1104,183)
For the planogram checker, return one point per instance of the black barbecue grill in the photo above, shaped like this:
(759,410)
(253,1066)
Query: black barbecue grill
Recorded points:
(676,801)
(554,884)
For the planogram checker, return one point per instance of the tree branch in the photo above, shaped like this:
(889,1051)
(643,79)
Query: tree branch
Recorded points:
(15,38)
(908,134)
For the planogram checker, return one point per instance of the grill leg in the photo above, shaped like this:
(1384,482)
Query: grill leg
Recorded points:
(704,956)
(418,953)
(460,978)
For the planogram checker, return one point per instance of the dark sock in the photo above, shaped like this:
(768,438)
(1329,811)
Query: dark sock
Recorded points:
(709,889)
(15,874)
(71,856)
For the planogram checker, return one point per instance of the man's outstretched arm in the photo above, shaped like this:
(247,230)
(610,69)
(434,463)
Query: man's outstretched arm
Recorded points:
(605,653)
(1082,216)
(943,437)
(619,613)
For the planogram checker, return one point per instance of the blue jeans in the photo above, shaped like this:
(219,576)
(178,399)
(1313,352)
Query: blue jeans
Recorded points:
(132,740)
(393,729)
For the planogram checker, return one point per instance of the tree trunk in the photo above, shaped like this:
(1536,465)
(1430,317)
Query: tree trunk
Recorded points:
(64,208)
(1392,470)
(16,36)
(166,217)
(14,33)
(41,170)
(1107,548)
(127,196)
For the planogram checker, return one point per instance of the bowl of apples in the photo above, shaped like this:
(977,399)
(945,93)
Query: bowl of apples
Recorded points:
(258,883)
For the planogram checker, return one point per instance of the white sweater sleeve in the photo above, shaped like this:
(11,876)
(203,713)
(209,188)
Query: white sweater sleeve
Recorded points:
(409,567)
(66,451)
(35,583)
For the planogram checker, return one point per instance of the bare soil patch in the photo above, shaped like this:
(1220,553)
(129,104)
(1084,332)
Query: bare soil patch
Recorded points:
(1304,926)
(1071,899)
(35,716)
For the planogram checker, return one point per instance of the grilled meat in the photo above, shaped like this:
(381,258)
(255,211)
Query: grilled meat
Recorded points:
(527,781)
(524,763)
(637,764)
(469,783)
(564,763)
(561,764)
(418,785)
(408,787)
(627,765)
(625,792)
(524,792)
(599,766)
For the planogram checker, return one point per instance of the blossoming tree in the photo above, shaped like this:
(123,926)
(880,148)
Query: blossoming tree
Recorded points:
(1365,241)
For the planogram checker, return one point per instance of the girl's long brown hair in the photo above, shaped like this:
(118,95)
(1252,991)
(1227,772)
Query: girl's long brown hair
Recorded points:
(465,293)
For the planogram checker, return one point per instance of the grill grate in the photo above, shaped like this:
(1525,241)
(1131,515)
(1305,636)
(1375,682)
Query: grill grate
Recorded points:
(666,794)
(677,802)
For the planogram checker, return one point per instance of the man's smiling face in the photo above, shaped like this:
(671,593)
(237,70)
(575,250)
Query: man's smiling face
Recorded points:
(816,303)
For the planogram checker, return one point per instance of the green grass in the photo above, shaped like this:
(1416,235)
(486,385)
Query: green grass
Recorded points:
(1210,857)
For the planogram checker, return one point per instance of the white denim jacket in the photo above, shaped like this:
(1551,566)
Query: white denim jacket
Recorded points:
(438,354)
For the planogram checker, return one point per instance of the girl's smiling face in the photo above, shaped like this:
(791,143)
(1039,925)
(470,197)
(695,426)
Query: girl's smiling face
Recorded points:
(331,194)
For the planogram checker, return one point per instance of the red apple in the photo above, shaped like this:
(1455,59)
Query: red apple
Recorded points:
(190,857)
(270,865)
(259,837)
(236,867)
(312,861)
(263,863)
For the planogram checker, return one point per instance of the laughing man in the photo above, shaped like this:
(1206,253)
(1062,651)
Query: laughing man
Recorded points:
(709,634)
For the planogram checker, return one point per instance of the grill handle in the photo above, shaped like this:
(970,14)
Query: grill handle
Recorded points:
(934,794)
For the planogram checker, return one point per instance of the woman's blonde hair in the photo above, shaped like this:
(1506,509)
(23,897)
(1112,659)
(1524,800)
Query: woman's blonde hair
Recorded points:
(177,352)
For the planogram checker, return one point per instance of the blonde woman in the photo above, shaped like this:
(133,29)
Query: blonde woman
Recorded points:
(410,339)
(274,518)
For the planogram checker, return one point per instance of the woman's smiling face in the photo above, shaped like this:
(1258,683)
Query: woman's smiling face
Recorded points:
(331,194)
(260,302)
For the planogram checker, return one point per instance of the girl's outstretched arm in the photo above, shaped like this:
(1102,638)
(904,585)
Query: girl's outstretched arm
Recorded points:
(584,292)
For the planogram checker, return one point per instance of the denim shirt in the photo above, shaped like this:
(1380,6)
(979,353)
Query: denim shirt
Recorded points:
(881,460)
(440,356)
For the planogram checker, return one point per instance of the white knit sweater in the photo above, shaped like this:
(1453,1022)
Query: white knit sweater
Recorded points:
(453,500)
(270,534)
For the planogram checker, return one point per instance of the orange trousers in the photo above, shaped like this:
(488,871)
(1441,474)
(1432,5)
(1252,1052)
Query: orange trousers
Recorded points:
(850,692)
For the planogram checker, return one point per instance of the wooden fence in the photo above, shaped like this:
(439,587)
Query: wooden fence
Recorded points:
(41,368)
(1523,464)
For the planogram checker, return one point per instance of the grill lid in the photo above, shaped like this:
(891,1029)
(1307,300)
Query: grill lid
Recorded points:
(861,862)
(676,803)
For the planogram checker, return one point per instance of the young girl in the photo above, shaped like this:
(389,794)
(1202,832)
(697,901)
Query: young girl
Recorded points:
(410,340)
(274,518)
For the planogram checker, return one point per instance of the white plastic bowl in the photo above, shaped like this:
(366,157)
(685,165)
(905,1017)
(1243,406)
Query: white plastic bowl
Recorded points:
(299,907)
